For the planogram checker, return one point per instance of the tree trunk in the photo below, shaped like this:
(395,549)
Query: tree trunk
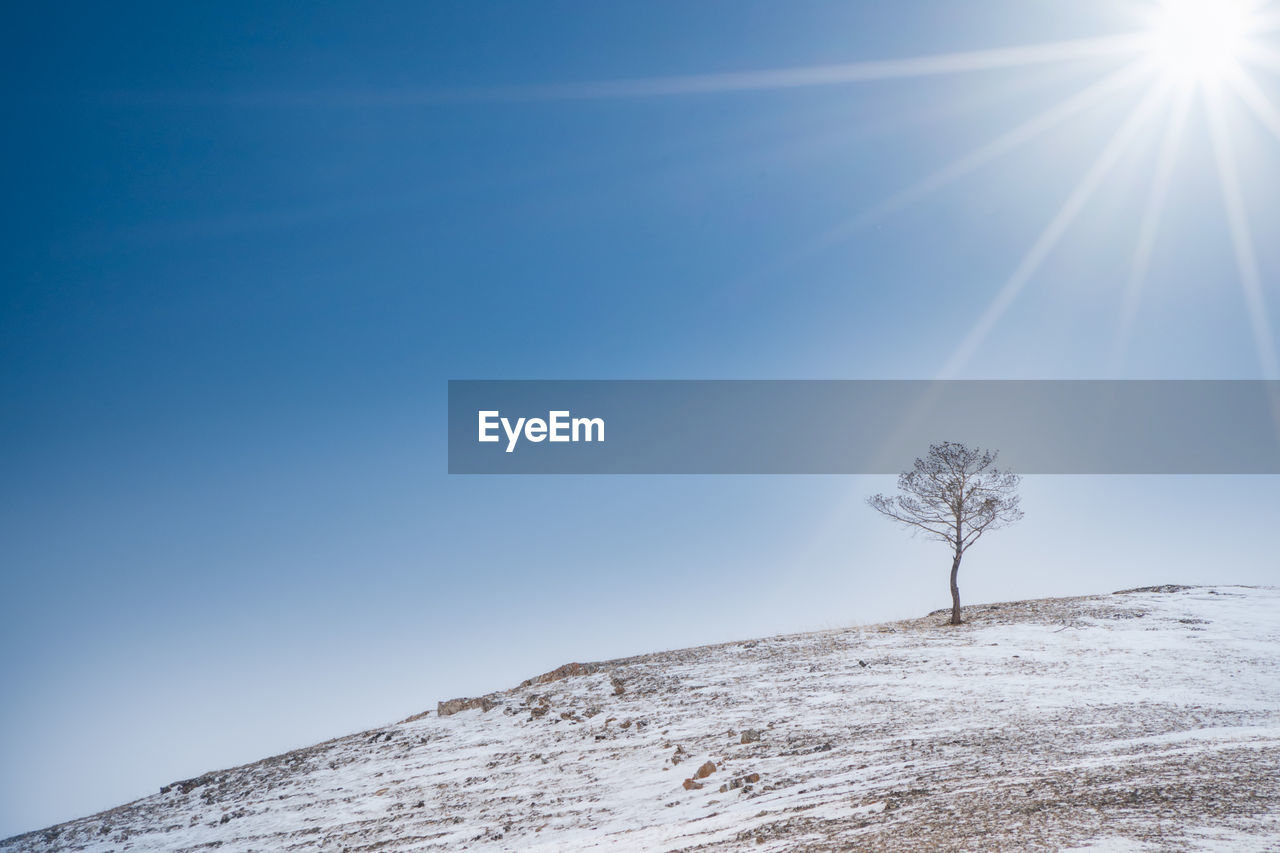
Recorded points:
(955,591)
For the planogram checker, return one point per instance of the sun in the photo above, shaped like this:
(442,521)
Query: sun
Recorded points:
(1197,41)
(1182,61)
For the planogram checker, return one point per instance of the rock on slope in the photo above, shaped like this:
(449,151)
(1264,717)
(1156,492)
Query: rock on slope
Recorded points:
(1148,720)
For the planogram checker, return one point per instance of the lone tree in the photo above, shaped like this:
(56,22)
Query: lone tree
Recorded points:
(954,494)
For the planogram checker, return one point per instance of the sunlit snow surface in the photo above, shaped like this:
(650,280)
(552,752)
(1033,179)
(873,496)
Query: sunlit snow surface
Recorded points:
(1135,722)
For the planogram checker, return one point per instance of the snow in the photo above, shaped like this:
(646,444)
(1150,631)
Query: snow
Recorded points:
(1131,722)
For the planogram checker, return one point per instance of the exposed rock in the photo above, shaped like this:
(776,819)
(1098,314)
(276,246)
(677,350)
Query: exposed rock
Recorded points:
(705,770)
(1168,587)
(453,706)
(690,785)
(186,786)
(415,717)
(740,782)
(568,670)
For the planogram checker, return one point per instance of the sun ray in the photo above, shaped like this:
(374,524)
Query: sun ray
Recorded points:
(960,62)
(854,72)
(1241,237)
(1261,57)
(1151,220)
(1049,238)
(971,162)
(1267,62)
(979,157)
(1266,22)
(1257,102)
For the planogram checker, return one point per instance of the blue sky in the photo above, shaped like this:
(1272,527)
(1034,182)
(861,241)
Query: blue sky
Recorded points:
(247,246)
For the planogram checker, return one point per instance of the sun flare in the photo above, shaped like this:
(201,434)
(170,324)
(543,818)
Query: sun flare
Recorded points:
(1195,41)
(1186,65)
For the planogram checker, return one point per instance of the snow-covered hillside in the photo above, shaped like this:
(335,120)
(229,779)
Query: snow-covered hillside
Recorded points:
(1147,720)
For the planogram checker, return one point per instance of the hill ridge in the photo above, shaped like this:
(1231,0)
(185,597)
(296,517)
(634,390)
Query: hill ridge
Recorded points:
(1151,715)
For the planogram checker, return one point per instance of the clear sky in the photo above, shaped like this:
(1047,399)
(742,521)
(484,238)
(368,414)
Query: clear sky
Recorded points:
(246,246)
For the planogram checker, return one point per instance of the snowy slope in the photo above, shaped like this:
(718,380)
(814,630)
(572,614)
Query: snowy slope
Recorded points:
(1129,722)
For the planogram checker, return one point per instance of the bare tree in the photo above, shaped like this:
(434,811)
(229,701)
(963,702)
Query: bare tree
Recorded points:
(954,494)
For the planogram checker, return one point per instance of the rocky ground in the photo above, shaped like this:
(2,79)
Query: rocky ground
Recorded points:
(1145,720)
